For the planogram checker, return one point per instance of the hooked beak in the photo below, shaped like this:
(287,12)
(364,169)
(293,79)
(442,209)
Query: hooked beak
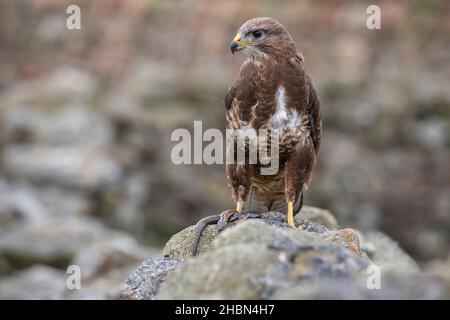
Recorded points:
(237,44)
(234,47)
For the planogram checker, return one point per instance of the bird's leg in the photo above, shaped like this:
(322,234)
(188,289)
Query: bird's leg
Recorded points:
(291,191)
(227,217)
(230,217)
(222,220)
(290,214)
(240,194)
(298,174)
(290,204)
(239,206)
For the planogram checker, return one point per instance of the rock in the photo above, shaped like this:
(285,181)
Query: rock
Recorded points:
(56,242)
(51,242)
(21,202)
(440,270)
(218,251)
(105,257)
(44,282)
(266,259)
(111,253)
(180,245)
(346,238)
(36,282)
(237,259)
(84,168)
(220,274)
(64,83)
(386,253)
(394,286)
(104,264)
(145,281)
(320,216)
(431,133)
(70,124)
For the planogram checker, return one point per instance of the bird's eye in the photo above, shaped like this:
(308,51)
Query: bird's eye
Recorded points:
(257,33)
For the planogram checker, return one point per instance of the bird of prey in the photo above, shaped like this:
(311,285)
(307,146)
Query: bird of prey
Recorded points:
(272,92)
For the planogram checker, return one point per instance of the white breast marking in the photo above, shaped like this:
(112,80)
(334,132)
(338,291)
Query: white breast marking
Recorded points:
(282,116)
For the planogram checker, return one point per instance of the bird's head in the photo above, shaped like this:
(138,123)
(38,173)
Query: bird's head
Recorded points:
(262,35)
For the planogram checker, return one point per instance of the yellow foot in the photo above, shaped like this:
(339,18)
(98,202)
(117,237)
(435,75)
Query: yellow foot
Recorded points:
(290,214)
(239,206)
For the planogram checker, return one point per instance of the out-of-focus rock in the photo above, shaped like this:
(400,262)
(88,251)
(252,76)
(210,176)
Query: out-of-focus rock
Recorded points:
(36,282)
(112,252)
(440,270)
(105,264)
(104,257)
(144,283)
(432,133)
(54,242)
(320,216)
(51,242)
(85,168)
(386,253)
(64,83)
(21,202)
(394,286)
(67,125)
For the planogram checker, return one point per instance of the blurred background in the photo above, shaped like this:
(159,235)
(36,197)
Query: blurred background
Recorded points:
(86,117)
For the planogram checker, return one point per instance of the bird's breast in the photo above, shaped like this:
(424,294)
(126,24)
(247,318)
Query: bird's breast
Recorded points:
(285,117)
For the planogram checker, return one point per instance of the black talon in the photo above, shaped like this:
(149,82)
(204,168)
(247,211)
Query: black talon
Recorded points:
(225,218)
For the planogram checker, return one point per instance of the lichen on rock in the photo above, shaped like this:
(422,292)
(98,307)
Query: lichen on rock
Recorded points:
(266,259)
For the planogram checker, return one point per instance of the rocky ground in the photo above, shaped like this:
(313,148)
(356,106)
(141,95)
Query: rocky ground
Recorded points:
(266,259)
(58,178)
(86,118)
(34,259)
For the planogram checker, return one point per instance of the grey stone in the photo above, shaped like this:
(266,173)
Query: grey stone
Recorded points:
(36,282)
(179,245)
(144,283)
(386,253)
(266,259)
(255,258)
(85,168)
(224,273)
(320,216)
(394,286)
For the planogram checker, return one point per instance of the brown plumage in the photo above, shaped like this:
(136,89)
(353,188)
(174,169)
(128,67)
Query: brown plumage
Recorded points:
(273,91)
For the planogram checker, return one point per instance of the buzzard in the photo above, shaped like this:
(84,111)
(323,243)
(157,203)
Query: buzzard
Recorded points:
(272,92)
